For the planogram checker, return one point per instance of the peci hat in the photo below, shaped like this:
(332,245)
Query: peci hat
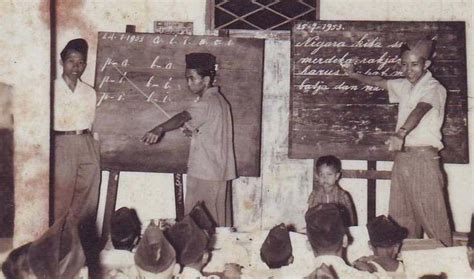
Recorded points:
(200,60)
(189,241)
(125,228)
(383,232)
(58,252)
(424,48)
(79,45)
(276,250)
(203,218)
(154,253)
(324,225)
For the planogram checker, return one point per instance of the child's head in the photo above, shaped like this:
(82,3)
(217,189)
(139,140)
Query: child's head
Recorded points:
(125,228)
(190,243)
(16,265)
(386,236)
(325,229)
(74,58)
(328,170)
(276,250)
(416,58)
(154,254)
(200,71)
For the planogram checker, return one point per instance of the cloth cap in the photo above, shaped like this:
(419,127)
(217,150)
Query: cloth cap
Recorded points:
(200,60)
(124,228)
(189,241)
(154,253)
(324,225)
(58,252)
(79,45)
(383,232)
(423,48)
(276,249)
(202,218)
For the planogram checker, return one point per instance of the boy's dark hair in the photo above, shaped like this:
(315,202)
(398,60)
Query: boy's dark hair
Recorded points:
(207,73)
(17,262)
(384,232)
(79,45)
(324,227)
(125,228)
(204,64)
(330,161)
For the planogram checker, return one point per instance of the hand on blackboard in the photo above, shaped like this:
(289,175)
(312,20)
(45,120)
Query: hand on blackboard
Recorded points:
(348,68)
(395,143)
(153,136)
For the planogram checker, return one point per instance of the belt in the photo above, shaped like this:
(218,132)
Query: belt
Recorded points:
(419,148)
(75,132)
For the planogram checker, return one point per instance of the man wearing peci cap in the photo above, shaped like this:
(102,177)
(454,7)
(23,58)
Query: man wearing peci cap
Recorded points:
(76,152)
(211,162)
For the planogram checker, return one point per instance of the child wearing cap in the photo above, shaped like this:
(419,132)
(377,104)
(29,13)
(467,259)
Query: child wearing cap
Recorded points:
(327,235)
(386,238)
(328,172)
(276,250)
(417,201)
(76,152)
(211,162)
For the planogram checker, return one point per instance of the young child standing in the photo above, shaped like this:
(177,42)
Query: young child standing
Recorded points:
(416,194)
(211,162)
(328,172)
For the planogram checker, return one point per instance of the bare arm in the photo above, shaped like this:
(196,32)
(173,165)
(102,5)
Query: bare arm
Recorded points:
(173,123)
(370,80)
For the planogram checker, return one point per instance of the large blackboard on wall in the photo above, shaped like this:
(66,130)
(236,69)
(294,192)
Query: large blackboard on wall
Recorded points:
(333,114)
(155,64)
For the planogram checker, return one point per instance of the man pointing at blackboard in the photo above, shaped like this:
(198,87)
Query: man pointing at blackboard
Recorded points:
(416,194)
(211,162)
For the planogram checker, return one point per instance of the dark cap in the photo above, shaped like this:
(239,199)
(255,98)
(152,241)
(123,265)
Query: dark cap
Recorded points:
(189,241)
(202,218)
(383,232)
(424,48)
(276,250)
(79,45)
(324,226)
(152,243)
(58,252)
(125,228)
(200,60)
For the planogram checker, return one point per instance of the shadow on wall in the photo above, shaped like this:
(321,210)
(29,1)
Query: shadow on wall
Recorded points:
(7,207)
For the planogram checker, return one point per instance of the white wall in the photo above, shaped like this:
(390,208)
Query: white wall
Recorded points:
(24,42)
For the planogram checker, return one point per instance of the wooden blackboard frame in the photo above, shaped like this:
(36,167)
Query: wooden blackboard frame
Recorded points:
(246,116)
(351,145)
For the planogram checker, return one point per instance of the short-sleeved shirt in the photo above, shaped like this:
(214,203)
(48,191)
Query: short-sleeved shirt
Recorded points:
(211,155)
(73,110)
(335,195)
(426,90)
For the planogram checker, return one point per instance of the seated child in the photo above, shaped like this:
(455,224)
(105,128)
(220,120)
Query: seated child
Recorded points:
(155,257)
(191,245)
(328,237)
(57,253)
(386,238)
(276,250)
(328,172)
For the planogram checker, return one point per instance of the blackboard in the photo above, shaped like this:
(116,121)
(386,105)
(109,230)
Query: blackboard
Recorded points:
(333,114)
(155,64)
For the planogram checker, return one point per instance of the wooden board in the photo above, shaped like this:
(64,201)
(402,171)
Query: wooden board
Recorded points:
(333,114)
(155,63)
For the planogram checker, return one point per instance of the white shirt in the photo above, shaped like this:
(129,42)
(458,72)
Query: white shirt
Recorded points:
(427,90)
(341,268)
(73,110)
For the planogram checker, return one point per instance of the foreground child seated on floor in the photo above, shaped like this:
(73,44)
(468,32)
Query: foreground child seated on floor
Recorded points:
(386,238)
(328,238)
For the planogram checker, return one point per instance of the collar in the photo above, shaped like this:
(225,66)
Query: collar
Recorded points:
(329,259)
(64,85)
(427,76)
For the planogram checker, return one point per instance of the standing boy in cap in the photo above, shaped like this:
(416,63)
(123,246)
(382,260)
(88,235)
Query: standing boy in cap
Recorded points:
(386,238)
(417,201)
(76,160)
(327,235)
(211,162)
